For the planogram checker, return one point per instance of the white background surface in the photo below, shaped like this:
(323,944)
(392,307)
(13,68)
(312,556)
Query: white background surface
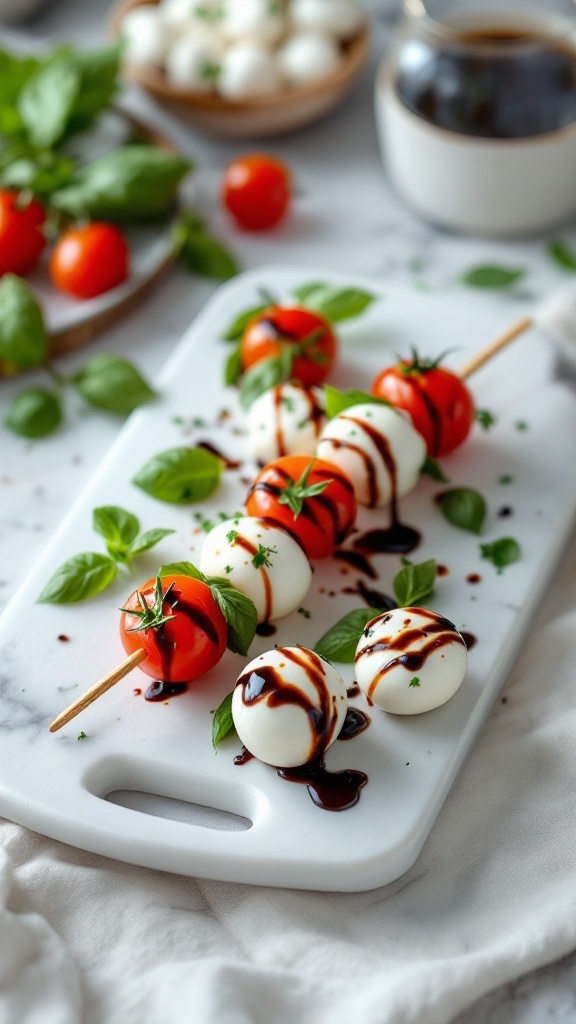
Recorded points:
(345,219)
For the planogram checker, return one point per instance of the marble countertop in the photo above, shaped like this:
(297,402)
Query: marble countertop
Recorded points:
(345,218)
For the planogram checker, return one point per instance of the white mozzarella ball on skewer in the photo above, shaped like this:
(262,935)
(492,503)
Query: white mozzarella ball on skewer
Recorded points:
(377,448)
(258,20)
(410,660)
(193,62)
(341,18)
(288,706)
(248,70)
(308,56)
(285,420)
(145,36)
(260,560)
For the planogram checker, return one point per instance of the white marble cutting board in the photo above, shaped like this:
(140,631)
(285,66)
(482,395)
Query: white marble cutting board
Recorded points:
(58,785)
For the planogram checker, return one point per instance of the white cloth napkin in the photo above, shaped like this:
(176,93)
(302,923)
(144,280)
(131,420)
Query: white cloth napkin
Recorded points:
(493,895)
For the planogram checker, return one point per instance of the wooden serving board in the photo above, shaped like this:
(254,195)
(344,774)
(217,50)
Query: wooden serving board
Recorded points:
(145,785)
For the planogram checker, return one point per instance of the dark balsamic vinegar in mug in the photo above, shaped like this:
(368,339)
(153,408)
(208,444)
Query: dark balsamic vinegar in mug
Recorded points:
(499,83)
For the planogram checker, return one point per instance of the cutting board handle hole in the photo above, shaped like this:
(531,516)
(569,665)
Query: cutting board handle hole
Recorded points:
(179,810)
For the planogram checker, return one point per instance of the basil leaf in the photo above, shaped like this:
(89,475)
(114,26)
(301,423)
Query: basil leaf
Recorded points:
(199,252)
(15,72)
(239,325)
(180,475)
(233,367)
(133,183)
(148,540)
(79,578)
(489,276)
(182,569)
(260,377)
(341,640)
(41,176)
(223,723)
(414,583)
(22,332)
(463,507)
(563,255)
(47,99)
(98,70)
(117,526)
(430,467)
(336,304)
(238,610)
(34,413)
(113,384)
(501,552)
(337,401)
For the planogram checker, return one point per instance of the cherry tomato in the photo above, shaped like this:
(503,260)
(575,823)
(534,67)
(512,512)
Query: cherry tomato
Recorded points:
(438,401)
(90,260)
(256,189)
(308,334)
(183,632)
(21,239)
(307,496)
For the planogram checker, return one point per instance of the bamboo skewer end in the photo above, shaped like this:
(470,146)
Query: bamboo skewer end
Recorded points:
(98,689)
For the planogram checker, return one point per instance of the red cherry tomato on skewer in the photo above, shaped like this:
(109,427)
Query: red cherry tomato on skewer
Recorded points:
(308,497)
(438,401)
(178,623)
(311,336)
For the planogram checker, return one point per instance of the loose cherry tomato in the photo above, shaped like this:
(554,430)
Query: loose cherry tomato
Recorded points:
(304,335)
(438,401)
(21,239)
(307,496)
(90,260)
(256,189)
(178,623)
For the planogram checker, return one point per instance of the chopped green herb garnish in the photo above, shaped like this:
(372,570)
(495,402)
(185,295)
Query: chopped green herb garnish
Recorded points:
(501,552)
(82,736)
(485,418)
(231,536)
(506,478)
(304,612)
(414,681)
(261,558)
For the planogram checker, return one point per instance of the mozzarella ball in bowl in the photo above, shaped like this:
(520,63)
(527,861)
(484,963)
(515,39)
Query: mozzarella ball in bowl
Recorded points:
(341,18)
(193,62)
(377,448)
(288,706)
(410,660)
(260,560)
(145,36)
(308,56)
(285,420)
(248,70)
(260,20)
(181,15)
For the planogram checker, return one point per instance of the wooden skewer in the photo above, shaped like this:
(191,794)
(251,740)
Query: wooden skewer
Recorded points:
(96,691)
(490,350)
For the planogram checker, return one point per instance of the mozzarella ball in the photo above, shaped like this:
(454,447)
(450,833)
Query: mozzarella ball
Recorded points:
(288,706)
(377,448)
(194,63)
(410,660)
(260,560)
(340,18)
(248,70)
(145,36)
(183,14)
(285,420)
(257,20)
(308,56)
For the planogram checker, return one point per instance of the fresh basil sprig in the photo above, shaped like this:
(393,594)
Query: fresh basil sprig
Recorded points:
(563,255)
(501,552)
(90,572)
(463,507)
(180,475)
(34,413)
(238,610)
(267,374)
(338,401)
(112,384)
(492,276)
(240,323)
(223,723)
(334,303)
(198,251)
(412,584)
